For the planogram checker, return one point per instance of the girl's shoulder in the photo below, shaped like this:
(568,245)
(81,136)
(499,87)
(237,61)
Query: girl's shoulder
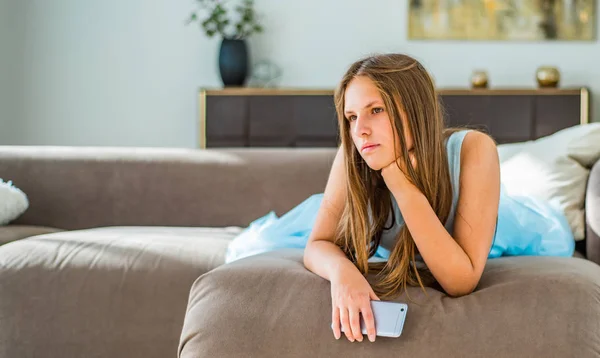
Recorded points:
(466,148)
(455,139)
(462,142)
(476,149)
(454,145)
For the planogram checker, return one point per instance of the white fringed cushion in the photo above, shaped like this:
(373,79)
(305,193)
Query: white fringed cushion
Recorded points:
(554,168)
(13,202)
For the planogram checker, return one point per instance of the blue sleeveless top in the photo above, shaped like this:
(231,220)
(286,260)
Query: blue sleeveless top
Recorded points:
(453,147)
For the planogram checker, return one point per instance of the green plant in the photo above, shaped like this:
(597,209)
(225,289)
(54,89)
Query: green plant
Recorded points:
(217,21)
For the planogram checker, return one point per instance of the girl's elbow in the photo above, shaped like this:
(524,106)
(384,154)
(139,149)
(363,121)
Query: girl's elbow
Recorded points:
(455,293)
(305,257)
(461,289)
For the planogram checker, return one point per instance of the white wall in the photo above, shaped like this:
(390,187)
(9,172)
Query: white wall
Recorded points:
(111,72)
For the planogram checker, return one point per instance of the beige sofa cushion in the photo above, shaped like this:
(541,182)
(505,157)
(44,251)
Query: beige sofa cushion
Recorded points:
(105,292)
(269,305)
(10,233)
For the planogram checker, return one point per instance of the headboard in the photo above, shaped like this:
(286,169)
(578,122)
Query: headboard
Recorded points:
(253,117)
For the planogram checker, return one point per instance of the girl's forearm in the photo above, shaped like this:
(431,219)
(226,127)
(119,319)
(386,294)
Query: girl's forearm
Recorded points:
(325,259)
(447,261)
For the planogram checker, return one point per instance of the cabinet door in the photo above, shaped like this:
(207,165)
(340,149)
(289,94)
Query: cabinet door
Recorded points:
(292,121)
(226,121)
(271,121)
(315,121)
(508,118)
(460,110)
(555,112)
(511,118)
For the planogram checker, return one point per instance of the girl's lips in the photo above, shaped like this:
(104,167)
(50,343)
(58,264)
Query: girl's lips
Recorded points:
(370,148)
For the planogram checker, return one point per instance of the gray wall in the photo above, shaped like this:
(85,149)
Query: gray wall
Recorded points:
(112,72)
(108,72)
(8,75)
(3,69)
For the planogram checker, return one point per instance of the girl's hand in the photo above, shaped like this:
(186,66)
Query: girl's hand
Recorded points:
(394,174)
(351,296)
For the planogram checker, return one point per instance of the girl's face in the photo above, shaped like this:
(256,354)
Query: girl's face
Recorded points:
(370,125)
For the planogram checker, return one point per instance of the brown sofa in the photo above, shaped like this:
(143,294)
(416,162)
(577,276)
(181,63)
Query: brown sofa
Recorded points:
(121,254)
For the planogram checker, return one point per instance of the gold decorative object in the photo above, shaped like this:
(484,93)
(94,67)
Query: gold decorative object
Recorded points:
(522,20)
(479,79)
(547,76)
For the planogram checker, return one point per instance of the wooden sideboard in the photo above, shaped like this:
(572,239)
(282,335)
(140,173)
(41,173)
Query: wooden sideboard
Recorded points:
(249,117)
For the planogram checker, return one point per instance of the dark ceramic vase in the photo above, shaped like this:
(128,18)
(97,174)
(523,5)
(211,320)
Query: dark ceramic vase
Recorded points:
(233,62)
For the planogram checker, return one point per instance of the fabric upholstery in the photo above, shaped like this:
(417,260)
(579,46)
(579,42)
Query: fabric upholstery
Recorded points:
(592,215)
(122,290)
(271,306)
(9,233)
(106,292)
(85,187)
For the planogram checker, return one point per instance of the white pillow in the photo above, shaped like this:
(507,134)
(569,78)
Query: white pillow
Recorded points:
(509,150)
(554,168)
(13,202)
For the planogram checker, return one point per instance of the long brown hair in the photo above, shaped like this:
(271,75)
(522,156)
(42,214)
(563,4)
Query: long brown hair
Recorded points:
(405,87)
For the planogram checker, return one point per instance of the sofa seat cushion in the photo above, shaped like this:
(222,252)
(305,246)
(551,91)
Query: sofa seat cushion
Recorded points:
(9,233)
(270,305)
(103,292)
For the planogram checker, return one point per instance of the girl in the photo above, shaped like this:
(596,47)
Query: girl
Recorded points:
(401,181)
(407,199)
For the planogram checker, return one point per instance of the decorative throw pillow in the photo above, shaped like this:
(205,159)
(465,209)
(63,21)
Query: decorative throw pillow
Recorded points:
(13,202)
(509,150)
(554,168)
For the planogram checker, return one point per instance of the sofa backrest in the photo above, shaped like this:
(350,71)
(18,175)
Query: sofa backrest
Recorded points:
(83,187)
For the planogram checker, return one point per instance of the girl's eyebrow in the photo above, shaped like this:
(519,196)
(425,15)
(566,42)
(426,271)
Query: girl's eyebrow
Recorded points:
(367,106)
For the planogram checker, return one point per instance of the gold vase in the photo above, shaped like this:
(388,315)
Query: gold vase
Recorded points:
(547,76)
(479,79)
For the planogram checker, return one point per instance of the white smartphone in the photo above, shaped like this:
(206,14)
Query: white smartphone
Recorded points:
(389,318)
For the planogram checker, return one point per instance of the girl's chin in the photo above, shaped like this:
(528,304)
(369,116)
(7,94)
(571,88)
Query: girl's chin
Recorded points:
(377,160)
(374,164)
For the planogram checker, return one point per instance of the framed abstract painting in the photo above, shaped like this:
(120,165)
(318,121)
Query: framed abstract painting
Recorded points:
(528,20)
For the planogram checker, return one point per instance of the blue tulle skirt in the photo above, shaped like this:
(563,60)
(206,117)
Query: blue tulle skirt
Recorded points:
(526,226)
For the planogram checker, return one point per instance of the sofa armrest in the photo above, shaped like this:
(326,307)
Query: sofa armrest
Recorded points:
(592,215)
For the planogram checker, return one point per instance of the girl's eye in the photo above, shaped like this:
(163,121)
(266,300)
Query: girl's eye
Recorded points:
(377,110)
(352,118)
